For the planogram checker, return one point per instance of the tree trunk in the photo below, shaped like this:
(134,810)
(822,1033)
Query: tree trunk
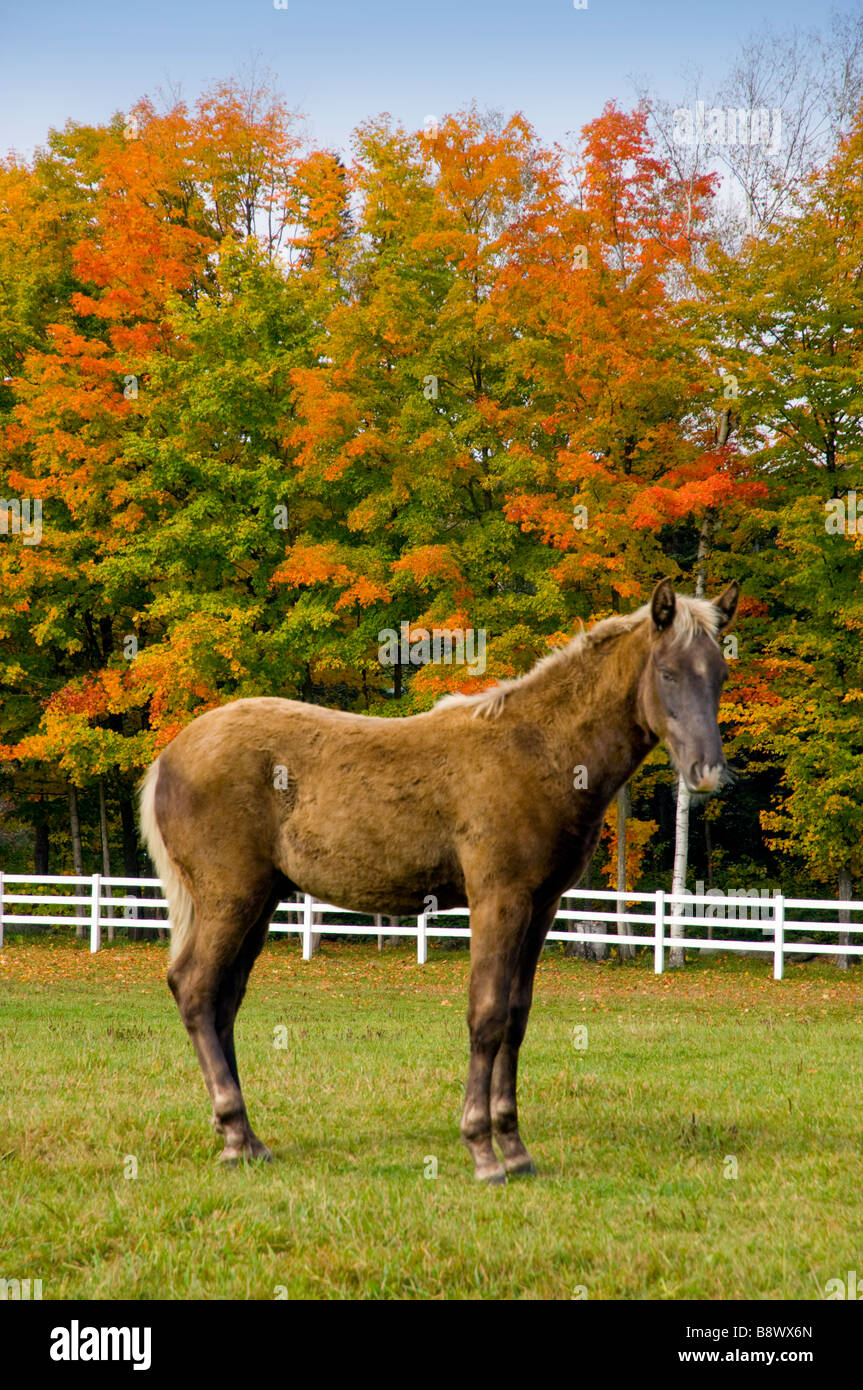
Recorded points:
(42,847)
(131,865)
(681,842)
(77,852)
(681,839)
(106,852)
(708,849)
(582,949)
(382,940)
(595,950)
(624,808)
(579,948)
(677,956)
(842,960)
(75,831)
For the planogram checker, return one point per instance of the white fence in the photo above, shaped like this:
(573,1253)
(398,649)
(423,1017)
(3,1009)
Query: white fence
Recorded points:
(774,922)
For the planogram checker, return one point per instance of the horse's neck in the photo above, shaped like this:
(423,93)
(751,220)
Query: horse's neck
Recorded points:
(592,710)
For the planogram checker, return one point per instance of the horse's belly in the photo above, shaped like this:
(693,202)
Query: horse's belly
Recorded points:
(390,902)
(371,868)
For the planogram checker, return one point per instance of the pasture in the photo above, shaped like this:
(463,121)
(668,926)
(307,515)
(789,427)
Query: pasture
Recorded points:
(353,1066)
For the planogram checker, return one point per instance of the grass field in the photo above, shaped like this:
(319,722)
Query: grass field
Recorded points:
(634,1136)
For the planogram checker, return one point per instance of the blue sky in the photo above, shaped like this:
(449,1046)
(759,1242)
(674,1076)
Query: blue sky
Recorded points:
(340,61)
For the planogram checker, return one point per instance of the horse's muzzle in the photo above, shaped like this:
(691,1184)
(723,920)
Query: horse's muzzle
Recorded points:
(704,777)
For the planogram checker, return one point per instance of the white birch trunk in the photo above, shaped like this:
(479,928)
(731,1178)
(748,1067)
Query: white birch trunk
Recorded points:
(77,855)
(842,960)
(106,850)
(316,935)
(677,956)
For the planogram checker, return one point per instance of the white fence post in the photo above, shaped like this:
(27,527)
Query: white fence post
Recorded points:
(1,911)
(659,938)
(778,936)
(422,939)
(307,926)
(95,922)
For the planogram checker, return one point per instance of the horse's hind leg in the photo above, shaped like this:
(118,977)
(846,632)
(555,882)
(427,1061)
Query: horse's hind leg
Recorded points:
(231,992)
(208,980)
(504,1106)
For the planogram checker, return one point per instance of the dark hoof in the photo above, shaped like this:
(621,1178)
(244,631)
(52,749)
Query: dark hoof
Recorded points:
(521,1168)
(492,1177)
(255,1152)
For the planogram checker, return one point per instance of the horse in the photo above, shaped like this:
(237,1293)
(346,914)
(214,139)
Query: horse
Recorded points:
(491,801)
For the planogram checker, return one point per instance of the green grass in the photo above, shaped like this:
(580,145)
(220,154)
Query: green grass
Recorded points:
(631,1136)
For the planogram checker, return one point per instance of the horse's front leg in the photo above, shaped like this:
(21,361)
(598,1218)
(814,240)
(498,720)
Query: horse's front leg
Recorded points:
(504,1105)
(498,925)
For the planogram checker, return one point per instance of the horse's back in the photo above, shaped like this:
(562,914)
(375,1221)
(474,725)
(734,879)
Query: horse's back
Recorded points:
(343,805)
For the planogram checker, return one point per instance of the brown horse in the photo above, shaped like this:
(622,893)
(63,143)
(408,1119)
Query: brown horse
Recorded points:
(492,801)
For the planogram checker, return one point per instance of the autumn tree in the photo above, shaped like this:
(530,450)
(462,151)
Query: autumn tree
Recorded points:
(148,207)
(792,307)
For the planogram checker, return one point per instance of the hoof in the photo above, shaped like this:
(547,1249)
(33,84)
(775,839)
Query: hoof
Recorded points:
(253,1152)
(521,1167)
(492,1177)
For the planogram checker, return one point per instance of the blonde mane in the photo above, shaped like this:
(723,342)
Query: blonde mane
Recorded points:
(691,617)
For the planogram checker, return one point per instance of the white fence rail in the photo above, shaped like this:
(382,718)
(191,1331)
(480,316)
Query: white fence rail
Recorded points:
(117,902)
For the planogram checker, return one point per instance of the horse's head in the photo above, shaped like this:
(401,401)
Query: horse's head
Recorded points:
(682,680)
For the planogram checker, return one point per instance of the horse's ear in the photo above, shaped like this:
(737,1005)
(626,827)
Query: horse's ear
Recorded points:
(727,605)
(662,605)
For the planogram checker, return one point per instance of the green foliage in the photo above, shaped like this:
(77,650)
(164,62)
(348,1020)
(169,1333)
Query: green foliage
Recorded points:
(277,407)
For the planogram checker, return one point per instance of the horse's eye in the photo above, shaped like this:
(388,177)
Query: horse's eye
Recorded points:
(668,676)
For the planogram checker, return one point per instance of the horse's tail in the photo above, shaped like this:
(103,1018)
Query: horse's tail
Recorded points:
(181,908)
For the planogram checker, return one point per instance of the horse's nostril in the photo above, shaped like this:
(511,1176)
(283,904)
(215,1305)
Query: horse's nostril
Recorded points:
(705,777)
